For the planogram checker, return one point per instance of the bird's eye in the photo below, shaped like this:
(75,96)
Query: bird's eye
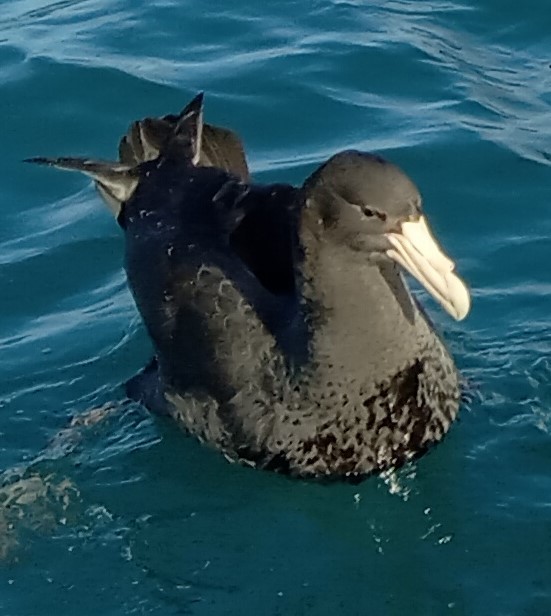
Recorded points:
(369,212)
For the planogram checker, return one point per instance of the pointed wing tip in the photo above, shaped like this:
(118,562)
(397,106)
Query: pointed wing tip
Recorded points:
(39,160)
(198,99)
(64,162)
(194,107)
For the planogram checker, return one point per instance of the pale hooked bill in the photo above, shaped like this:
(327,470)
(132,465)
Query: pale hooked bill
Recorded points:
(416,250)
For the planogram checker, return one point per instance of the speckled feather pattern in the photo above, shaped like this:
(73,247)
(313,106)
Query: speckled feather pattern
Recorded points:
(376,386)
(311,424)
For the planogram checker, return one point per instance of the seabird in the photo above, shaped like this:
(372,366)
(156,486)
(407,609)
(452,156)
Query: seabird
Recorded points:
(285,333)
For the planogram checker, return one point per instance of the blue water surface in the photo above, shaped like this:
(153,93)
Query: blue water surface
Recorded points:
(126,515)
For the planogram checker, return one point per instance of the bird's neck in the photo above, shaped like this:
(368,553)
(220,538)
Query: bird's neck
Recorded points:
(363,318)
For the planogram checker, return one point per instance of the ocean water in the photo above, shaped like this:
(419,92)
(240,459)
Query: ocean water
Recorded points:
(123,514)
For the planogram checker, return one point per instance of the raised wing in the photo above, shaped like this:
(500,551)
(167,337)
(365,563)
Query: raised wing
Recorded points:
(258,219)
(220,147)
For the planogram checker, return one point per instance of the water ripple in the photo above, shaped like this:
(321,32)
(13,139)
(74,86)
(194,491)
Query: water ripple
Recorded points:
(458,93)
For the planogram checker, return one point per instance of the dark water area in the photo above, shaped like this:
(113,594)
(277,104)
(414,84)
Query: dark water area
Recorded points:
(127,515)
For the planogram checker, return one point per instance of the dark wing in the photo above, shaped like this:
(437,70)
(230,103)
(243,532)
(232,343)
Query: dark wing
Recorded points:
(220,147)
(117,181)
(262,233)
(265,237)
(260,222)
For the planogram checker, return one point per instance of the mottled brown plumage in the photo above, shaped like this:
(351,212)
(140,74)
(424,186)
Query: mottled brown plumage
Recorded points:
(285,334)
